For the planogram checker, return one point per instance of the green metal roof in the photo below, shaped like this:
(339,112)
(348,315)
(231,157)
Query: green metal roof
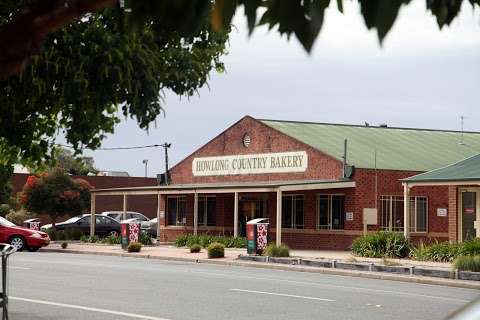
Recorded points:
(465,170)
(396,148)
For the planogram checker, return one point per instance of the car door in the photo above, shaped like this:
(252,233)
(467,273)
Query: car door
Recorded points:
(84,224)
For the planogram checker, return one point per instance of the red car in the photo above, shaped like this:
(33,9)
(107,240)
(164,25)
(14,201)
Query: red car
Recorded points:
(22,238)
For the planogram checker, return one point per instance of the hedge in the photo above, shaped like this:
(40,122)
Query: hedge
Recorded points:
(205,240)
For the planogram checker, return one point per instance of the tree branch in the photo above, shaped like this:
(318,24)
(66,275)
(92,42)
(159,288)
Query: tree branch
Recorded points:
(24,35)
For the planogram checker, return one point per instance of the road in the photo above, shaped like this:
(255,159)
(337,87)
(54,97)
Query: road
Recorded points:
(51,286)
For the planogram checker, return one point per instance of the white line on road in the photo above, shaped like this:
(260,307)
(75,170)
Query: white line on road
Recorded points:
(20,268)
(283,295)
(72,306)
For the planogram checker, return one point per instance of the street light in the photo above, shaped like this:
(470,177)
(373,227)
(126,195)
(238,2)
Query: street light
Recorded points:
(145,162)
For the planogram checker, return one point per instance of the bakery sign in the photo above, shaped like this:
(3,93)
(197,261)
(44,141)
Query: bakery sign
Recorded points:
(282,162)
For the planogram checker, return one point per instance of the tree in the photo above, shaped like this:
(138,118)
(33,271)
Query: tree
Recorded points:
(56,194)
(71,164)
(5,184)
(32,22)
(90,73)
(75,63)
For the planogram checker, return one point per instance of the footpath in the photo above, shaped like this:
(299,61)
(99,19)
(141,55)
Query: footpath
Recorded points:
(327,262)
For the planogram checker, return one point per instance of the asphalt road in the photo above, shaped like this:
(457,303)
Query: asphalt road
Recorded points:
(51,286)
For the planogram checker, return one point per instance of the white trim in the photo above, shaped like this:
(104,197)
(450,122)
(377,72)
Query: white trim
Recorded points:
(318,186)
(442,183)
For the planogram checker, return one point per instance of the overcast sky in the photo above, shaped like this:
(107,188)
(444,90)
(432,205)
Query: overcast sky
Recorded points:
(421,77)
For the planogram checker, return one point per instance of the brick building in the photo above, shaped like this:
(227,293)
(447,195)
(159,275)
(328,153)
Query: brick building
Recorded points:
(297,173)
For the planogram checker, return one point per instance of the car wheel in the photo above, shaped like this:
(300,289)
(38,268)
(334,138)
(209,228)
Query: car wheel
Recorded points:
(113,233)
(17,242)
(33,249)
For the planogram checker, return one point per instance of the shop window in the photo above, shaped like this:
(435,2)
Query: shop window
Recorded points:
(176,207)
(331,212)
(392,209)
(206,210)
(292,212)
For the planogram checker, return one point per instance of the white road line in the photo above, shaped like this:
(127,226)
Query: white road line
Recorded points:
(20,268)
(72,306)
(283,295)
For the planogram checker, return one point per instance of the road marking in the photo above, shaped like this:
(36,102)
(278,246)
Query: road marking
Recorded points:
(283,295)
(20,268)
(72,306)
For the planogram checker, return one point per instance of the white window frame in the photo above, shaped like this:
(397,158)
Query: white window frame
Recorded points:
(413,213)
(294,224)
(330,211)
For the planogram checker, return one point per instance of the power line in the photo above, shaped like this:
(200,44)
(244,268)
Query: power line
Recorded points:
(116,148)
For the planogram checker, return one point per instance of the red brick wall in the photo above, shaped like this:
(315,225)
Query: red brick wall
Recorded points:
(264,140)
(452,213)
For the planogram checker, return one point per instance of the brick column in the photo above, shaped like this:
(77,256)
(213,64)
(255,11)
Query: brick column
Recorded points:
(452,213)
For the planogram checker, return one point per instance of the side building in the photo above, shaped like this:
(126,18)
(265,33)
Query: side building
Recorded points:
(315,182)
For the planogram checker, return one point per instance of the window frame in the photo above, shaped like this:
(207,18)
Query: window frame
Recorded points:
(413,202)
(329,196)
(177,199)
(205,214)
(293,198)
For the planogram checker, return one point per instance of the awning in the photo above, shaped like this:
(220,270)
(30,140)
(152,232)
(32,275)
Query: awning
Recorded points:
(230,187)
(465,172)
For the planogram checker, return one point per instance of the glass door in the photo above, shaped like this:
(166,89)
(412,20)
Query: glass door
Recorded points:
(469,214)
(250,209)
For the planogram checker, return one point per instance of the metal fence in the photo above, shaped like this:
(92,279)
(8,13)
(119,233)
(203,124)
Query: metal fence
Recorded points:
(5,251)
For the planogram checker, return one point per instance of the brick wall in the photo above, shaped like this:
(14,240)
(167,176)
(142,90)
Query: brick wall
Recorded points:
(264,140)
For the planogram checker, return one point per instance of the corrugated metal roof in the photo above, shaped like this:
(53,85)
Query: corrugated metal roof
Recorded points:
(465,170)
(396,148)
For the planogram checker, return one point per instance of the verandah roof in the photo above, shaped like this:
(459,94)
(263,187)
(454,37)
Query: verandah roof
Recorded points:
(467,170)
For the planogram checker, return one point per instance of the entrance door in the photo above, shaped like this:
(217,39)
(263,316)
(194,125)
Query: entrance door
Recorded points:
(469,214)
(250,209)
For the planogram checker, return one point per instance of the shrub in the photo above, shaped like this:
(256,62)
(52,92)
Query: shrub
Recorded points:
(111,239)
(181,240)
(73,233)
(134,247)
(272,250)
(145,238)
(439,252)
(89,239)
(4,209)
(83,238)
(216,250)
(18,216)
(64,245)
(382,244)
(468,263)
(195,248)
(205,240)
(470,248)
(52,233)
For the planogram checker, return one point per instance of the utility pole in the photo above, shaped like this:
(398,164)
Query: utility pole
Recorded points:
(145,162)
(165,146)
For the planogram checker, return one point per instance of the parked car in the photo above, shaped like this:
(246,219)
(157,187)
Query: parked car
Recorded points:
(118,215)
(21,237)
(150,227)
(104,225)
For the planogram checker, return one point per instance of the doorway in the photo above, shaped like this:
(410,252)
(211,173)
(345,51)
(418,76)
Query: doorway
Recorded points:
(249,209)
(469,213)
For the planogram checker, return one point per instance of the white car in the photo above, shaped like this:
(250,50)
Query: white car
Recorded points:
(118,215)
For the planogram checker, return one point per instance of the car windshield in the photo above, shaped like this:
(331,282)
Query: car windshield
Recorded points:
(4,222)
(73,219)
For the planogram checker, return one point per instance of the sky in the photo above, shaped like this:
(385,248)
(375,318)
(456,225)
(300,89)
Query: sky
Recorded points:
(420,77)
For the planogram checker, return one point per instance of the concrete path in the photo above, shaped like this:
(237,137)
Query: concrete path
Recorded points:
(231,254)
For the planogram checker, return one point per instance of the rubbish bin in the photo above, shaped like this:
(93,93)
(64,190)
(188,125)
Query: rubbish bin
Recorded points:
(257,233)
(5,251)
(33,224)
(130,232)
